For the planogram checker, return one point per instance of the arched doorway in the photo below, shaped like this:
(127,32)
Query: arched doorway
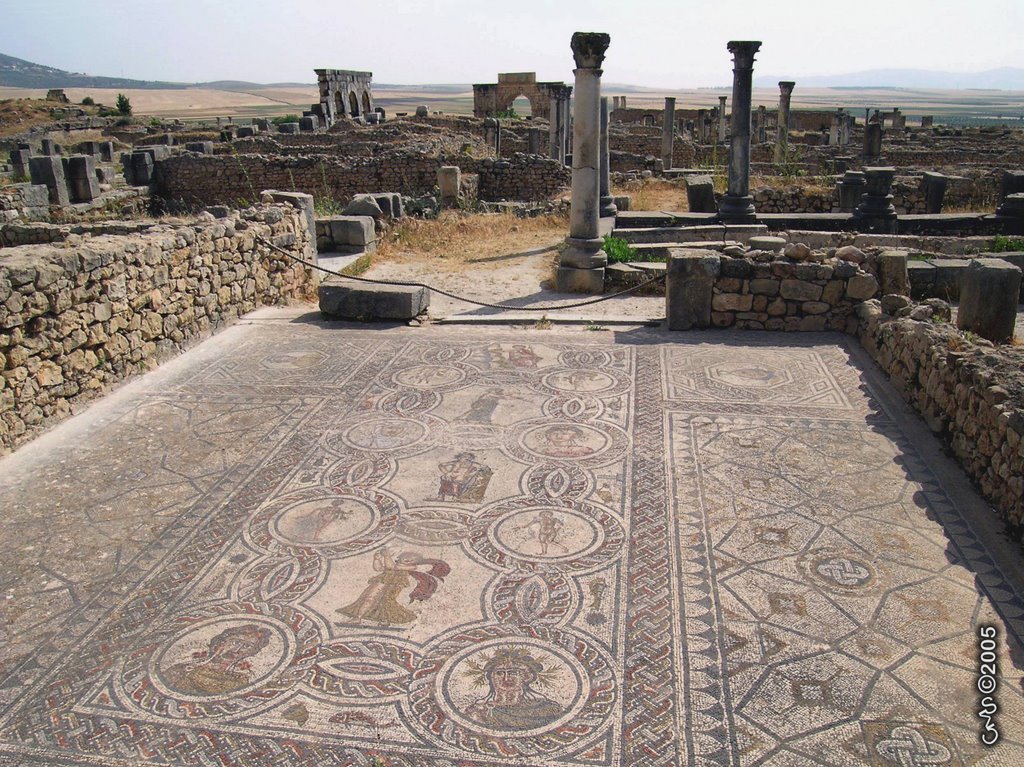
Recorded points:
(339,105)
(522,106)
(366,103)
(353,102)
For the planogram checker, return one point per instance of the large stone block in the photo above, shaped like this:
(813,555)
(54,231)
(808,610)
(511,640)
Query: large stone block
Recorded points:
(448,180)
(350,300)
(892,272)
(690,287)
(49,171)
(700,194)
(364,205)
(989,292)
(82,182)
(353,231)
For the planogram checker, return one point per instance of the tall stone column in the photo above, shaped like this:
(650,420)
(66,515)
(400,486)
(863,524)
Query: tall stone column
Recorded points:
(737,206)
(782,140)
(701,122)
(554,142)
(607,202)
(762,124)
(581,268)
(668,132)
(721,119)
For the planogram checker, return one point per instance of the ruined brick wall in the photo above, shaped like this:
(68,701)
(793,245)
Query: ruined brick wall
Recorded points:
(782,295)
(969,395)
(86,312)
(208,180)
(24,201)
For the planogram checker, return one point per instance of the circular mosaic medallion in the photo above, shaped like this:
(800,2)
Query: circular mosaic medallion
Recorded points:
(540,693)
(430,377)
(526,535)
(224,661)
(393,435)
(583,381)
(330,522)
(573,443)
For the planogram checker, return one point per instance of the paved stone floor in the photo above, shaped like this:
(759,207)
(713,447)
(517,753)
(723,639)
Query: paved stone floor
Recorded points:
(302,545)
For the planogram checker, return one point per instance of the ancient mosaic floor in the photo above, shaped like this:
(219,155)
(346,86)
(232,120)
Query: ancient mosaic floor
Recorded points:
(308,546)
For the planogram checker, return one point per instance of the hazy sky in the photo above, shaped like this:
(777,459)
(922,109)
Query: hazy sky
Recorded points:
(657,43)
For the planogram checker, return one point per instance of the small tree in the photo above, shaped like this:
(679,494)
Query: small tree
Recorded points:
(124,106)
(88,102)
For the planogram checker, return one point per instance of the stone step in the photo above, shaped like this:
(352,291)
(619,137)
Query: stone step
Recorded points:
(680,234)
(367,302)
(340,261)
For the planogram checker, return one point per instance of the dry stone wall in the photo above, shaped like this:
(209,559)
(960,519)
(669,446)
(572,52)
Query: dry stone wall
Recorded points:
(85,312)
(971,395)
(209,180)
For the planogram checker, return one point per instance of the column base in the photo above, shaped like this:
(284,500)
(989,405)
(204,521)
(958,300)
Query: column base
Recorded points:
(583,253)
(571,280)
(606,206)
(737,209)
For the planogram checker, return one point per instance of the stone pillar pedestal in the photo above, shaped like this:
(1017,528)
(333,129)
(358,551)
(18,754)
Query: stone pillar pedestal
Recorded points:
(721,119)
(873,140)
(934,187)
(449,178)
(689,287)
(876,213)
(607,202)
(81,177)
(668,132)
(782,138)
(581,267)
(48,170)
(989,292)
(737,206)
(1010,214)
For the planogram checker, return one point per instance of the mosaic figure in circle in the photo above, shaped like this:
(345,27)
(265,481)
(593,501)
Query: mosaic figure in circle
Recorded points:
(385,435)
(379,601)
(580,380)
(463,480)
(224,666)
(311,525)
(523,357)
(565,442)
(481,410)
(511,702)
(545,528)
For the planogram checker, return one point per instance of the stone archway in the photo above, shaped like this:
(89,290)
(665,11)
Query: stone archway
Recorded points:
(339,105)
(340,93)
(353,103)
(366,103)
(490,100)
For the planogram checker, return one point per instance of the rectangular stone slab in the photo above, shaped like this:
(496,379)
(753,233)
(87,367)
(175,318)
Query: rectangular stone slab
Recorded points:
(366,302)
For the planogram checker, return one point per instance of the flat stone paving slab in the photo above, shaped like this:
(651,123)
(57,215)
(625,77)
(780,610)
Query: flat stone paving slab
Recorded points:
(307,546)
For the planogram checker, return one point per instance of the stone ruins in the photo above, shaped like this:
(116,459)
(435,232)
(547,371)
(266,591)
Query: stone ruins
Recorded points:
(598,507)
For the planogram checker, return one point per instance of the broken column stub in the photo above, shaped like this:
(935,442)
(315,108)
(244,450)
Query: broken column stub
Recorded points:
(782,137)
(690,287)
(581,267)
(606,204)
(876,213)
(668,132)
(989,292)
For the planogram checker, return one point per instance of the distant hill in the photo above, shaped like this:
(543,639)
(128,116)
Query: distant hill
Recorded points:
(18,73)
(1005,78)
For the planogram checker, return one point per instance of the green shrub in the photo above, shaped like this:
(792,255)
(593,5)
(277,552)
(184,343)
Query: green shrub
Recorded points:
(124,106)
(618,250)
(1003,244)
(284,119)
(508,114)
(88,102)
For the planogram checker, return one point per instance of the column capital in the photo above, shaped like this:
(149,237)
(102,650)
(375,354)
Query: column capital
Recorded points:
(786,87)
(743,52)
(588,49)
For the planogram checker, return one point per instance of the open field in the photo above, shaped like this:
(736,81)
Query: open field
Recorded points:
(199,103)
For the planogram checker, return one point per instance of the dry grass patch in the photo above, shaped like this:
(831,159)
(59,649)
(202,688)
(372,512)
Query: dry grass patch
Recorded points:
(457,239)
(809,184)
(654,194)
